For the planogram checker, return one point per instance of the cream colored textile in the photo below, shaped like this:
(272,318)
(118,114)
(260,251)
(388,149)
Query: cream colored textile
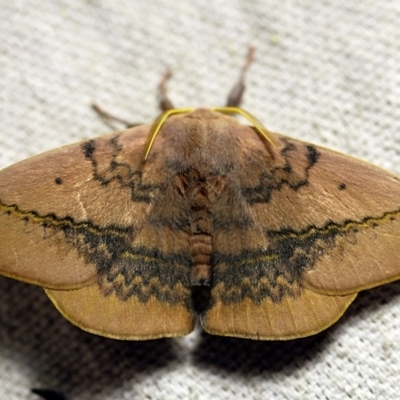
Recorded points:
(325,71)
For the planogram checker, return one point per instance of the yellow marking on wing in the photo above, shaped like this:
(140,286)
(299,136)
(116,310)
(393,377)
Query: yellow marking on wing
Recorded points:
(140,257)
(258,259)
(32,216)
(346,227)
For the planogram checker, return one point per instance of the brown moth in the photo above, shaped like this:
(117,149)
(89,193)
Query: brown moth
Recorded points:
(120,229)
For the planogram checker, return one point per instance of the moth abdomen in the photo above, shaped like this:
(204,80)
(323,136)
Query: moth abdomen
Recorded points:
(200,251)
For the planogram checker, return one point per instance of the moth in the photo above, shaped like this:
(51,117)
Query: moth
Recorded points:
(120,230)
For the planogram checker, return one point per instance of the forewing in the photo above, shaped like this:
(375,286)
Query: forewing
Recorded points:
(317,227)
(84,221)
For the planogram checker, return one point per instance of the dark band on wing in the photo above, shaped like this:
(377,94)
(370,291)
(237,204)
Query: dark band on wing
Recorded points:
(278,271)
(111,168)
(125,270)
(283,175)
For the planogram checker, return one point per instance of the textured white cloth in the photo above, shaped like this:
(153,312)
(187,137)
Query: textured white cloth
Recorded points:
(326,71)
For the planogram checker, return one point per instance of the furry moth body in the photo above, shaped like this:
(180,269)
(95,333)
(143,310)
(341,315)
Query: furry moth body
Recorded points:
(285,235)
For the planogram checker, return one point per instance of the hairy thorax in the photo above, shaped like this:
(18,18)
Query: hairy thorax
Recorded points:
(197,159)
(200,179)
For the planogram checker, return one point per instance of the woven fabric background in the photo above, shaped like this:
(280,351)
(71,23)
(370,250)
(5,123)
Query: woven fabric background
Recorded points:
(326,71)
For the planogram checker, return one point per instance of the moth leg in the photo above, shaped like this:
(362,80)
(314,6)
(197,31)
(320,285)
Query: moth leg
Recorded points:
(236,94)
(111,117)
(164,102)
